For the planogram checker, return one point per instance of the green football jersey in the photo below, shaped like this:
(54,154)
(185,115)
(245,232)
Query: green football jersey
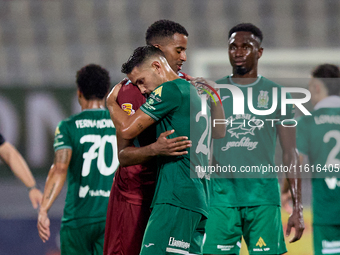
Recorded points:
(318,137)
(92,138)
(248,147)
(177,105)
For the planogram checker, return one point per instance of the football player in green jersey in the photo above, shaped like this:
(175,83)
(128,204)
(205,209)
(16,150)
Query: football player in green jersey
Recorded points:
(180,205)
(85,153)
(246,203)
(318,137)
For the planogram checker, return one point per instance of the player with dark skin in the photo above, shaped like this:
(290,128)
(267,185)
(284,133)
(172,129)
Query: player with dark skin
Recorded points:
(244,53)
(245,50)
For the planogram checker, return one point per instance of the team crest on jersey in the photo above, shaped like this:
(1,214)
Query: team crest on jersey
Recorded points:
(151,101)
(262,99)
(158,92)
(127,107)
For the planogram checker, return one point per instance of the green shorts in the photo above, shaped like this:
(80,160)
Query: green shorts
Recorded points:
(260,226)
(85,240)
(326,239)
(173,230)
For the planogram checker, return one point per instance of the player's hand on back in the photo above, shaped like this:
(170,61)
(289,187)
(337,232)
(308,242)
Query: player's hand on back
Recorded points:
(202,84)
(35,196)
(112,97)
(43,226)
(171,147)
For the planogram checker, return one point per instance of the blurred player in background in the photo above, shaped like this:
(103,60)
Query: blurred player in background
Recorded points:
(318,138)
(85,153)
(10,155)
(248,204)
(180,204)
(134,183)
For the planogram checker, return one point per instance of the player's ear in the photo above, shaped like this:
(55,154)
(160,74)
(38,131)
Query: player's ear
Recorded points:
(259,52)
(156,45)
(79,94)
(156,65)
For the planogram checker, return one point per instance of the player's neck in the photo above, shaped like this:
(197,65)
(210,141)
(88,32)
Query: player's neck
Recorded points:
(245,79)
(170,76)
(93,104)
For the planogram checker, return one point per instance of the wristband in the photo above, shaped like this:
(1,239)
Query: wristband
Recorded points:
(30,188)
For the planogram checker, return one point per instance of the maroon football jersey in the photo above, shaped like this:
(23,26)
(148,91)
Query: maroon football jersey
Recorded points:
(136,183)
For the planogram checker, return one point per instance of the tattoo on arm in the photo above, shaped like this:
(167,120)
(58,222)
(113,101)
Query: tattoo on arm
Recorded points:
(140,126)
(51,191)
(62,156)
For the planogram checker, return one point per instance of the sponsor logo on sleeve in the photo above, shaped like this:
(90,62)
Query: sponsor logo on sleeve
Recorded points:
(127,107)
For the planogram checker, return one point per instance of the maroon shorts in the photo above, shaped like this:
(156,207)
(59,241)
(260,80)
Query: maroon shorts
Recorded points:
(125,226)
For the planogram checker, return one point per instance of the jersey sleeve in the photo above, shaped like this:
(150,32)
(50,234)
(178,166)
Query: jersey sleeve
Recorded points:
(162,100)
(2,140)
(302,136)
(62,137)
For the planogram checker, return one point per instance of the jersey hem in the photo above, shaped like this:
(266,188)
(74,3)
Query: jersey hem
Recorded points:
(63,147)
(244,205)
(201,211)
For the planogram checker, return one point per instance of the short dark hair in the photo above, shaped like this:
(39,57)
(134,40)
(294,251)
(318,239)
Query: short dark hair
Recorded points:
(247,27)
(93,81)
(326,71)
(163,28)
(139,56)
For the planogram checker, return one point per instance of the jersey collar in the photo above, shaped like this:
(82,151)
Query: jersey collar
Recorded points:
(328,102)
(247,85)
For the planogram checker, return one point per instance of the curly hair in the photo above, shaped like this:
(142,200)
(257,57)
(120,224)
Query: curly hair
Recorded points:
(93,81)
(139,56)
(163,28)
(329,74)
(247,27)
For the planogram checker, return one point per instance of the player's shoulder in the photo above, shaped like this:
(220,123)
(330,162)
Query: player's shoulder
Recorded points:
(224,80)
(87,114)
(177,83)
(305,119)
(269,83)
(128,87)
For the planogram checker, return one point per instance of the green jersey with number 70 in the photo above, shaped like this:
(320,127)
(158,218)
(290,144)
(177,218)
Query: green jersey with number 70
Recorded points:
(318,137)
(92,138)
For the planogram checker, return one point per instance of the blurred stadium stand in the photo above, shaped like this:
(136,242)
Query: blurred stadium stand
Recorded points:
(45,42)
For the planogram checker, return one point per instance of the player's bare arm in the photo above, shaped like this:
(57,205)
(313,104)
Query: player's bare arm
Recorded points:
(129,155)
(128,126)
(54,183)
(290,158)
(19,167)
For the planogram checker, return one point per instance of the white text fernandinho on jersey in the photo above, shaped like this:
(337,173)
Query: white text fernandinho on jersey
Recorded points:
(103,123)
